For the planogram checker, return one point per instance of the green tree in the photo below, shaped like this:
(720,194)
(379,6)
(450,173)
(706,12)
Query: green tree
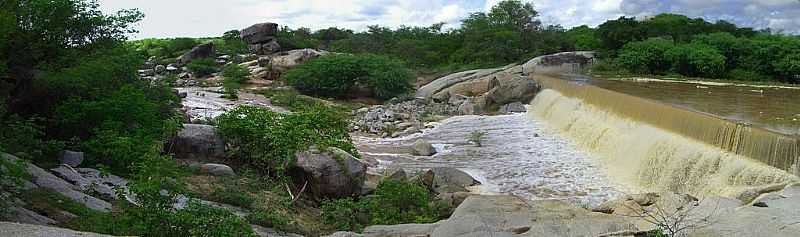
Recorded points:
(647,56)
(584,38)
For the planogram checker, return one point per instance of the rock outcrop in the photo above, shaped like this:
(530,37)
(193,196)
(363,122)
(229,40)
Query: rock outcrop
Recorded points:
(25,230)
(272,66)
(261,39)
(331,173)
(201,51)
(199,142)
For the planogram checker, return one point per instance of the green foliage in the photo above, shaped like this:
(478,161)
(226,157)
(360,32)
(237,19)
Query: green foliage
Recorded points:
(268,219)
(165,48)
(203,67)
(335,75)
(232,44)
(202,220)
(584,38)
(394,202)
(234,75)
(233,197)
(745,75)
(647,56)
(11,177)
(697,60)
(269,140)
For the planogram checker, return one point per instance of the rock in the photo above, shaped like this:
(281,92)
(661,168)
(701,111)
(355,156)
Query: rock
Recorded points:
(332,173)
(554,62)
(268,232)
(260,33)
(779,218)
(511,108)
(396,173)
(448,180)
(172,68)
(146,72)
(183,94)
(45,179)
(71,158)
(514,216)
(442,83)
(199,142)
(288,60)
(399,230)
(160,69)
(515,89)
(26,230)
(453,199)
(198,52)
(423,148)
(345,234)
(473,105)
(93,186)
(217,170)
(25,216)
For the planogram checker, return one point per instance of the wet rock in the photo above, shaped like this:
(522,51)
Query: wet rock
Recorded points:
(217,170)
(160,69)
(199,142)
(448,180)
(423,148)
(71,158)
(331,173)
(201,51)
(515,89)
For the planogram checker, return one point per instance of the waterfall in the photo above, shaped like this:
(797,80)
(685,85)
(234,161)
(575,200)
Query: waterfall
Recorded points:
(648,146)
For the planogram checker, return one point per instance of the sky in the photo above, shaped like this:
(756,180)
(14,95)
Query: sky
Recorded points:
(200,18)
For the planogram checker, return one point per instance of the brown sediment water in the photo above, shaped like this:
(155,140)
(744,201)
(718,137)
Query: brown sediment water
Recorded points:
(656,145)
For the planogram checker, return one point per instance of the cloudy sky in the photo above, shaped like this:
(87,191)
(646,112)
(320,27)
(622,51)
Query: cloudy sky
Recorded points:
(197,18)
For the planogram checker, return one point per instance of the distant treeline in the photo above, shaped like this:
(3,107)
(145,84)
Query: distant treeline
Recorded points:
(510,32)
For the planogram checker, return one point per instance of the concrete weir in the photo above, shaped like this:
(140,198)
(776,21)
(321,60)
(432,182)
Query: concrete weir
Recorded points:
(651,146)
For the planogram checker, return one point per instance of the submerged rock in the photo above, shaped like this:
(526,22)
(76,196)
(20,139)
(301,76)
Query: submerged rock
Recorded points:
(448,180)
(423,148)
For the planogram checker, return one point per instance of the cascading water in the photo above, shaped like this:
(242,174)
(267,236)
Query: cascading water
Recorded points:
(649,146)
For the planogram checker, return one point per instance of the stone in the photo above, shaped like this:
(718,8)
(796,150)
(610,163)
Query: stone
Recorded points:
(423,148)
(429,90)
(345,234)
(25,216)
(287,60)
(554,62)
(147,72)
(217,170)
(268,232)
(96,187)
(453,199)
(473,105)
(399,230)
(515,89)
(396,173)
(160,69)
(260,33)
(71,158)
(26,230)
(511,108)
(172,68)
(331,173)
(199,142)
(198,52)
(448,180)
(45,179)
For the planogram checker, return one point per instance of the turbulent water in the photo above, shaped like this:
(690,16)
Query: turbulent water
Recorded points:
(517,156)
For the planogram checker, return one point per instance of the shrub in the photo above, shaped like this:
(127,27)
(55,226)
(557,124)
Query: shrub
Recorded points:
(268,219)
(646,56)
(234,75)
(269,140)
(233,197)
(335,75)
(203,67)
(11,178)
(202,220)
(696,60)
(394,202)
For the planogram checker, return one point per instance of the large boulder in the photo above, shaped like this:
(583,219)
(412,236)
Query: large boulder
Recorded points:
(199,142)
(331,172)
(260,33)
(558,63)
(287,60)
(516,88)
(45,179)
(71,158)
(422,147)
(429,90)
(448,180)
(201,51)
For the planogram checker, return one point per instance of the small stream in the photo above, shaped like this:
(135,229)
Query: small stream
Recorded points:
(518,156)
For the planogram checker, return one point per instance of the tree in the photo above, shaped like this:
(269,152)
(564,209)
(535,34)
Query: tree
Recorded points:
(584,38)
(649,56)
(615,34)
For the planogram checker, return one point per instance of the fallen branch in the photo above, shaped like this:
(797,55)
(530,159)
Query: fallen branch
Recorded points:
(294,198)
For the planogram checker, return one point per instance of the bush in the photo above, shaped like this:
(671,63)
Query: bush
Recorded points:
(234,75)
(203,67)
(233,197)
(745,75)
(269,140)
(11,177)
(647,56)
(696,60)
(268,219)
(202,220)
(336,75)
(394,202)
